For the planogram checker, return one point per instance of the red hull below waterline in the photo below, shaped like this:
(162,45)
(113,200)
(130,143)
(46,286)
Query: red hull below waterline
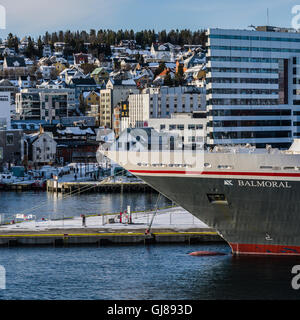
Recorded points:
(261,249)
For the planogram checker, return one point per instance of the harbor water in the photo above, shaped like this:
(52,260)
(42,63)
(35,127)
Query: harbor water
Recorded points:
(140,272)
(51,206)
(143,273)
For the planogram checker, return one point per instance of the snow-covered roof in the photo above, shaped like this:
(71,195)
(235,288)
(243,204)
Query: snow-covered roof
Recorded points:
(76,131)
(129,82)
(87,93)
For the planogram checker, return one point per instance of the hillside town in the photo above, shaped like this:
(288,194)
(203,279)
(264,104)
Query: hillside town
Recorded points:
(60,96)
(58,103)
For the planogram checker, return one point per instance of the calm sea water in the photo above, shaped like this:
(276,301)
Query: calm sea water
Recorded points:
(144,273)
(48,205)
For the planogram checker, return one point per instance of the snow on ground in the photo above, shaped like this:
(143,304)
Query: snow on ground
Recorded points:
(175,218)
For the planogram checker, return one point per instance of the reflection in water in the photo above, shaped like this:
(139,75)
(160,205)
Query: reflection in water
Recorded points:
(43,204)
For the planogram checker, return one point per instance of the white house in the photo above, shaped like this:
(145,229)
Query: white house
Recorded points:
(47,52)
(46,71)
(5,110)
(43,148)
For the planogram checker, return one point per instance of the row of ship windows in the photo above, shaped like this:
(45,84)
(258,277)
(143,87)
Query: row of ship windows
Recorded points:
(176,165)
(279,168)
(208,165)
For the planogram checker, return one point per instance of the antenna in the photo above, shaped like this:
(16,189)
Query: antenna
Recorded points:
(268,22)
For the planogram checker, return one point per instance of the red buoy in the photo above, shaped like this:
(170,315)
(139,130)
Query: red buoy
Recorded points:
(206,253)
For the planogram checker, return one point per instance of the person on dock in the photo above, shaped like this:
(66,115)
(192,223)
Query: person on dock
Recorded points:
(83,220)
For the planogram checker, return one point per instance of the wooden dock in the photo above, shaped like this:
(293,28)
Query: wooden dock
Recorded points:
(20,187)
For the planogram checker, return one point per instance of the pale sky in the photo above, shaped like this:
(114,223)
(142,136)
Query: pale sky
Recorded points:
(32,17)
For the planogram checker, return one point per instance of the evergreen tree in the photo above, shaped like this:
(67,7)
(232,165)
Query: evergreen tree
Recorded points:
(168,81)
(179,76)
(107,50)
(10,40)
(30,51)
(40,48)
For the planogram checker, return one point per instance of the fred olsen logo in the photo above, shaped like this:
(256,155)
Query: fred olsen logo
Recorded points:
(258,184)
(228,183)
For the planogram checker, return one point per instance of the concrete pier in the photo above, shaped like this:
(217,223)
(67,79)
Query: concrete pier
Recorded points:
(99,237)
(91,186)
(168,225)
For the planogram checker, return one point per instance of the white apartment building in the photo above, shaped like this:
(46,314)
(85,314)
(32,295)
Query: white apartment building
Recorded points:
(56,87)
(190,127)
(42,104)
(163,102)
(253,86)
(5,110)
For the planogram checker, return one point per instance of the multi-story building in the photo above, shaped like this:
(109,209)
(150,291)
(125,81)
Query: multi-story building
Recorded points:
(253,86)
(191,127)
(61,87)
(42,104)
(11,147)
(93,112)
(163,102)
(7,86)
(5,110)
(115,92)
(121,117)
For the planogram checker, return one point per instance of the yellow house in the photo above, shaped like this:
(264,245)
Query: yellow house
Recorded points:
(91,98)
(59,66)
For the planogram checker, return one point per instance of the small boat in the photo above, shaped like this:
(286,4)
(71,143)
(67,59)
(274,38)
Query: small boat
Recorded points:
(7,178)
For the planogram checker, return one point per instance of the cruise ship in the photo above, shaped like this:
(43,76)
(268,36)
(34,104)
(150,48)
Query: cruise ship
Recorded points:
(249,196)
